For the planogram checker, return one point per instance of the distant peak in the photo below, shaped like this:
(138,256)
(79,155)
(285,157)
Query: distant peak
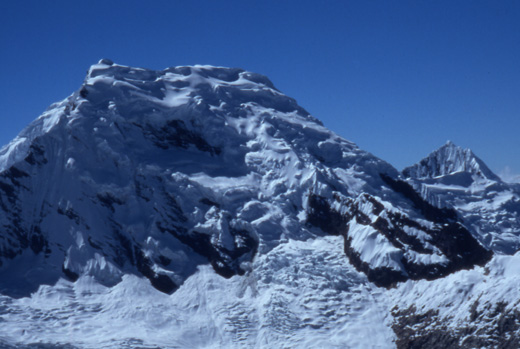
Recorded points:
(447,160)
(451,150)
(450,144)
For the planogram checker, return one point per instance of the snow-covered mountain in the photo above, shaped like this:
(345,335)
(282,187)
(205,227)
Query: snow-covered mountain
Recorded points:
(454,177)
(201,207)
(449,160)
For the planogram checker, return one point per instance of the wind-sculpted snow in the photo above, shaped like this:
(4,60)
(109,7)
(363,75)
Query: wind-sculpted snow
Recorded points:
(201,207)
(489,206)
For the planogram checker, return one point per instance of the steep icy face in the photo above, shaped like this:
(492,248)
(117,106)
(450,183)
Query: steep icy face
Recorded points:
(449,160)
(149,172)
(154,173)
(455,178)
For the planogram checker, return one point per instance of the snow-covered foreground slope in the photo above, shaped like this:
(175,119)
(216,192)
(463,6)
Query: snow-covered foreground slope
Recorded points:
(300,294)
(201,207)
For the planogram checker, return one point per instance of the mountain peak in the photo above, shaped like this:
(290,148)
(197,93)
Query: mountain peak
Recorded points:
(450,144)
(162,171)
(209,185)
(450,159)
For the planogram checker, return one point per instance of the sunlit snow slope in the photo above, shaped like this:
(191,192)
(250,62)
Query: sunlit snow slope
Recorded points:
(201,207)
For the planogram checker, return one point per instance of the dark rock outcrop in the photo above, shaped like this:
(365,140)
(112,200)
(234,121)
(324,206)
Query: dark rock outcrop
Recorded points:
(448,236)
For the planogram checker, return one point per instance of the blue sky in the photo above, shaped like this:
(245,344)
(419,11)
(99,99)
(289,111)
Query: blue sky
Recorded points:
(399,78)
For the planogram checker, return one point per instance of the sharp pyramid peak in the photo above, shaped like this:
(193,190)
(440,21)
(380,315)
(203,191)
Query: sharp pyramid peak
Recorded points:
(447,160)
(450,144)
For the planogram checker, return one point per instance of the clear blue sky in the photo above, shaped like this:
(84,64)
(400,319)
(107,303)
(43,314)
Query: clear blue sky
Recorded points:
(399,78)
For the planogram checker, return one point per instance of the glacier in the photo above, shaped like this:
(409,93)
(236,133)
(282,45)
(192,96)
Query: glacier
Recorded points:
(201,207)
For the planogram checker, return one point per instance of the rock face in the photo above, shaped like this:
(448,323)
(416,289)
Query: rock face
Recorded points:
(402,248)
(229,199)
